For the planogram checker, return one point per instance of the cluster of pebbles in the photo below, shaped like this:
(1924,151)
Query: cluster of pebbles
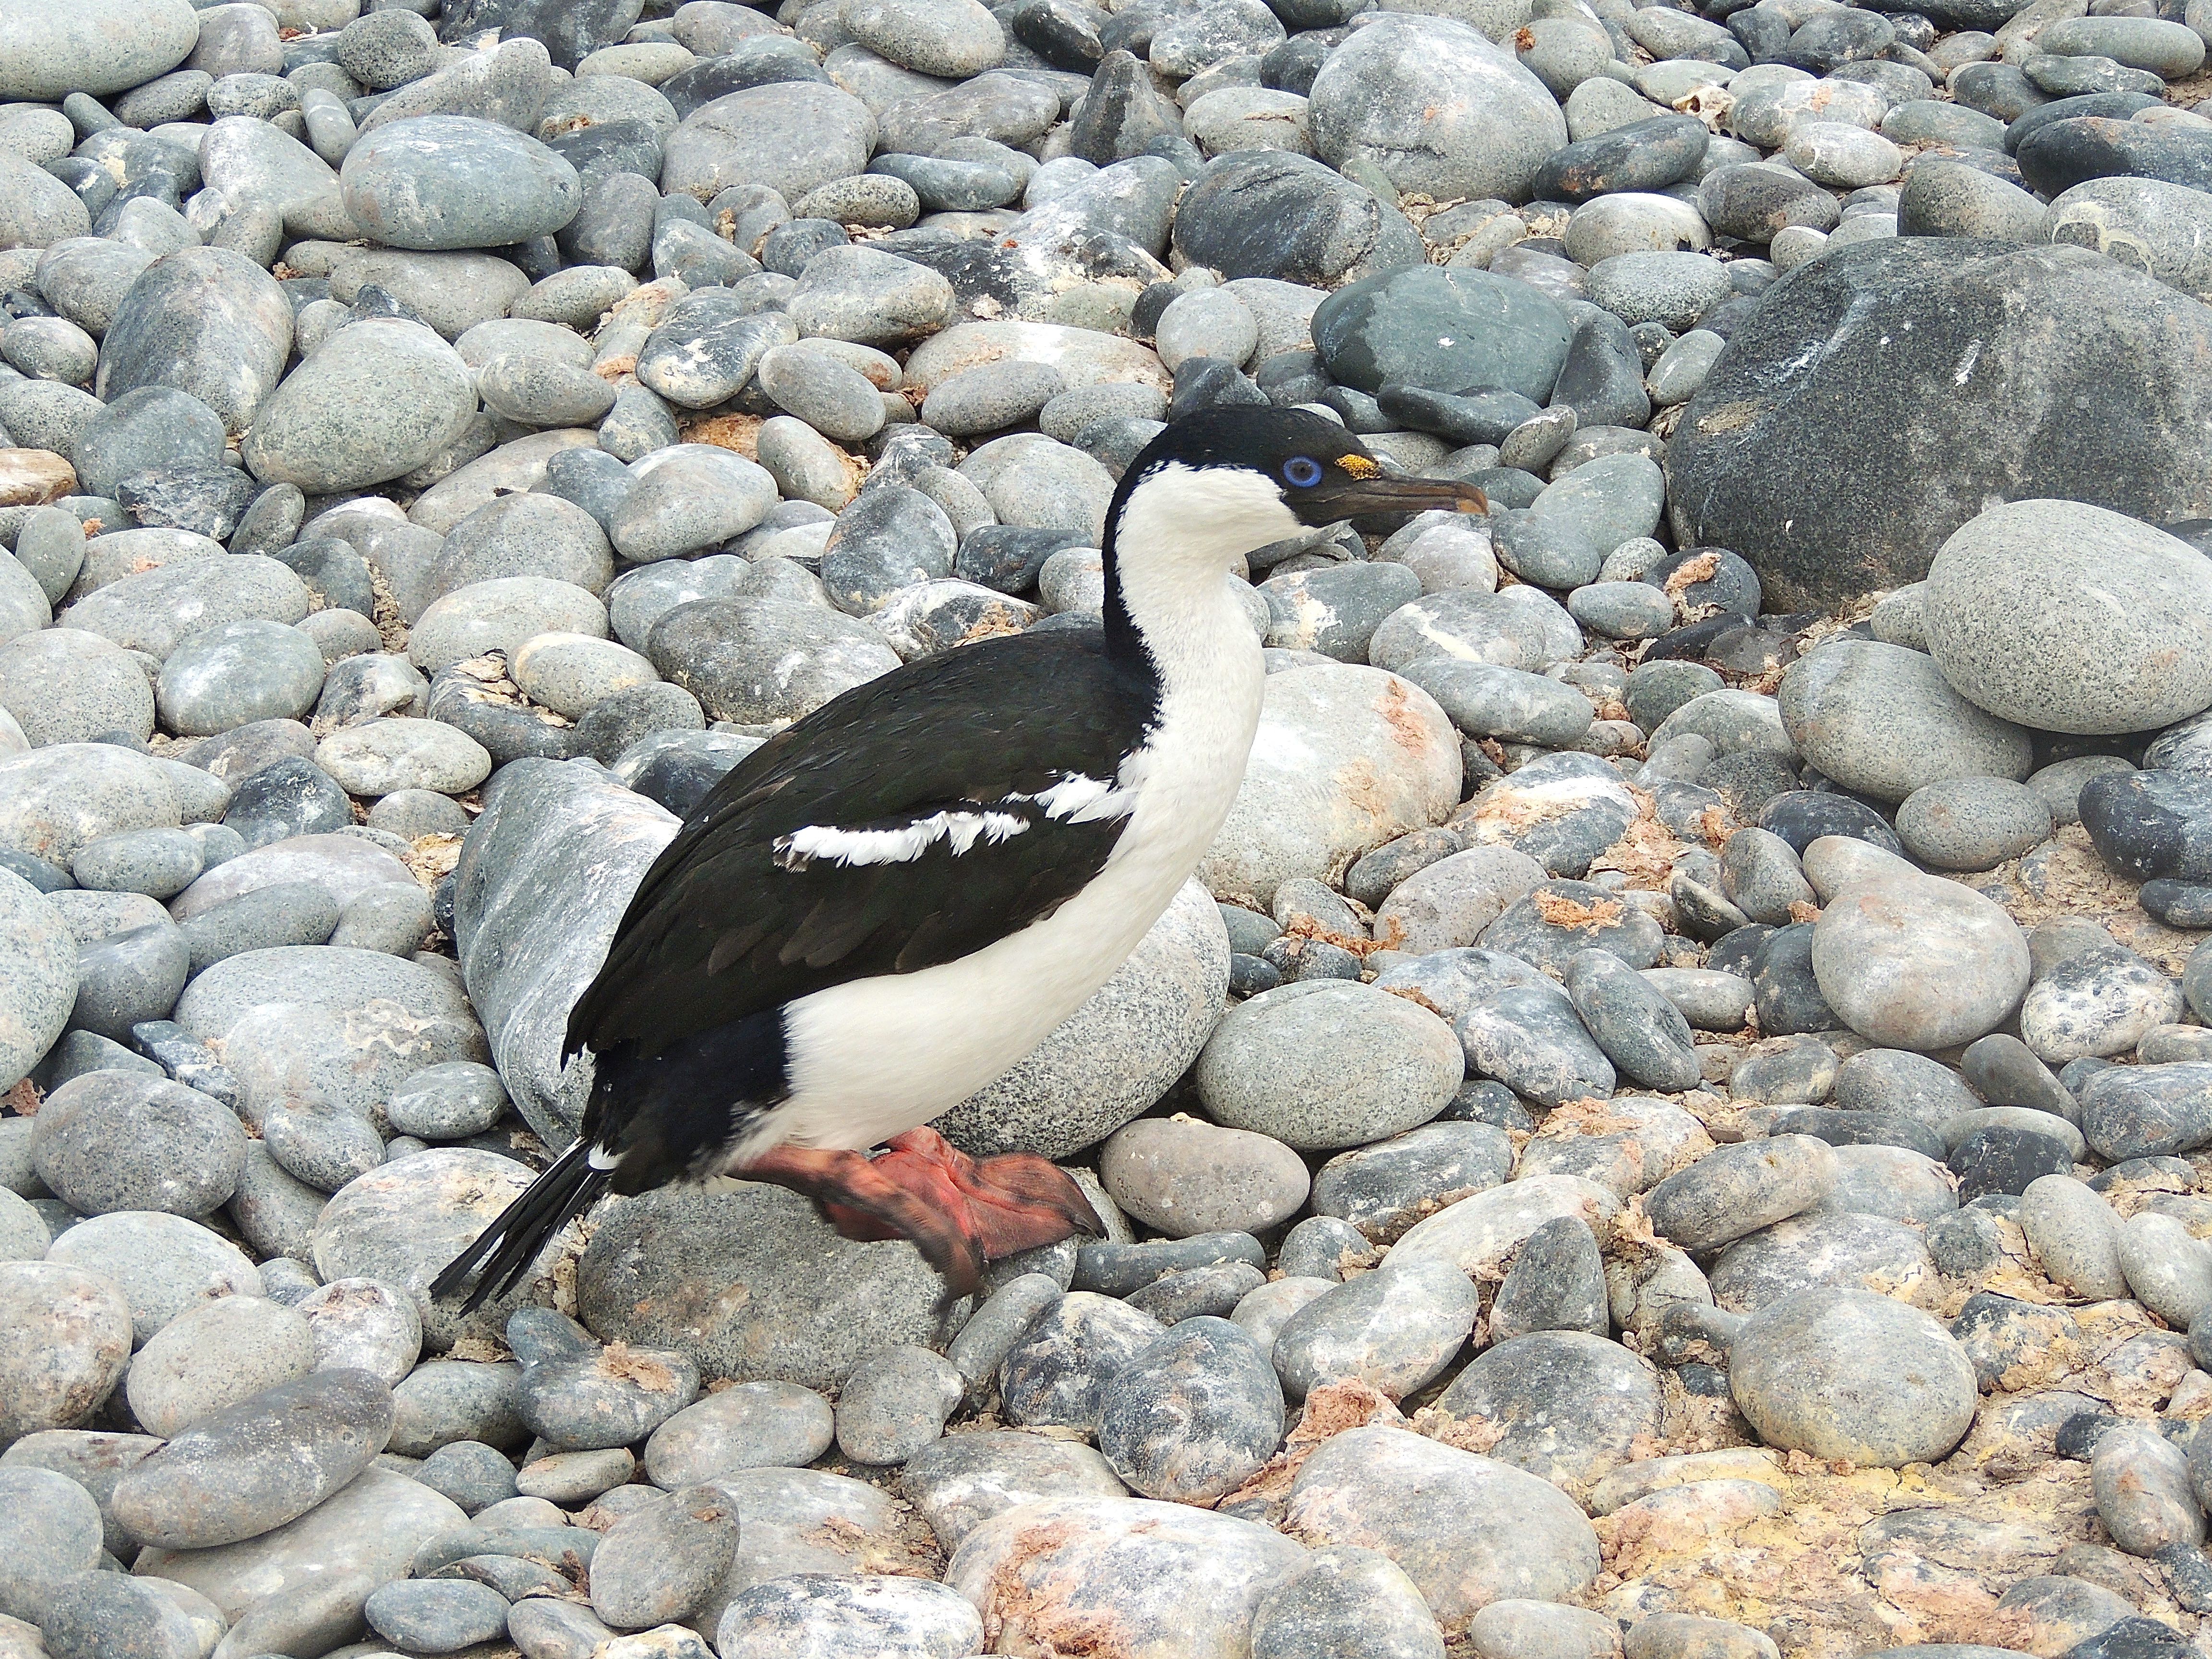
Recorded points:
(1673,1121)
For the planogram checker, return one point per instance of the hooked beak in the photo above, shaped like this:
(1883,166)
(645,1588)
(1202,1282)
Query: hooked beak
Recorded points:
(1330,502)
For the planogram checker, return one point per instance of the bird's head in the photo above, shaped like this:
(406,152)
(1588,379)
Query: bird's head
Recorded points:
(1224,482)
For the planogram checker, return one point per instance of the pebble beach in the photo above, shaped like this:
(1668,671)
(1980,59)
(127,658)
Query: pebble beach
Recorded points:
(1674,1122)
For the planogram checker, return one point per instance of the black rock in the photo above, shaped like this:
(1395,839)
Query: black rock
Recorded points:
(1269,213)
(1789,998)
(1738,952)
(509,729)
(2005,1071)
(2145,824)
(1212,383)
(1193,1415)
(287,798)
(2117,105)
(1731,585)
(1556,1282)
(787,249)
(2056,157)
(2000,90)
(703,82)
(1851,371)
(1197,1292)
(627,145)
(1063,33)
(1834,39)
(1123,113)
(1803,816)
(1643,155)
(1292,65)
(1842,1128)
(1764,30)
(1117,1269)
(1753,203)
(2004,1160)
(1603,377)
(1482,416)
(2133,1638)
(2177,904)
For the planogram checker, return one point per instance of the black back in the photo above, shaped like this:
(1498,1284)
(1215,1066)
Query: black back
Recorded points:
(721,928)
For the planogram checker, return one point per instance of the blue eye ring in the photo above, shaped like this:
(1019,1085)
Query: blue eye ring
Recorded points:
(1302,470)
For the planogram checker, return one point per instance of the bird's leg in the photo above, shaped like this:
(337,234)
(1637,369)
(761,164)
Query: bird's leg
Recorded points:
(957,1211)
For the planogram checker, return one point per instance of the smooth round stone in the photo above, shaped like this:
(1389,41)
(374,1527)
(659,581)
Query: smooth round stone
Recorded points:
(1191,1416)
(77,1331)
(1861,1252)
(1467,1529)
(569,672)
(964,1479)
(249,1468)
(104,47)
(2148,223)
(992,398)
(1643,1034)
(1057,1372)
(2102,1001)
(1557,1283)
(113,1140)
(1573,1404)
(363,1324)
(2104,629)
(1841,154)
(499,615)
(2143,42)
(1328,1064)
(235,673)
(1853,1374)
(162,1263)
(2075,1235)
(66,685)
(52,1533)
(1383,1190)
(97,1614)
(862,1613)
(436,1615)
(214,1357)
(159,863)
(790,135)
(455,181)
(895,1403)
(762,659)
(1919,963)
(1971,824)
(1181,1176)
(664,1560)
(473,1475)
(450,1100)
(752,1426)
(379,398)
(2059,785)
(1735,1190)
(393,754)
(1396,1329)
(1882,720)
(1347,1599)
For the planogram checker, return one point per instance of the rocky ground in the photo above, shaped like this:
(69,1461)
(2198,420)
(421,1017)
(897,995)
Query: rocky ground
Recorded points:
(1669,1125)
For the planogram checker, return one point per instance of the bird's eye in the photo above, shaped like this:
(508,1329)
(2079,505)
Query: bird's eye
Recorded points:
(1303,470)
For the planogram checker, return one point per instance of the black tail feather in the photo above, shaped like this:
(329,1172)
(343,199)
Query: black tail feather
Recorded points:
(505,1249)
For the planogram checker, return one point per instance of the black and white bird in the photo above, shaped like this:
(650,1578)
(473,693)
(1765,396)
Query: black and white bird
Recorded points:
(896,898)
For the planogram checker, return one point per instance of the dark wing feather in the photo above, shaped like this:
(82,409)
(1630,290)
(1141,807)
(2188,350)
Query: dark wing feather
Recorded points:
(719,928)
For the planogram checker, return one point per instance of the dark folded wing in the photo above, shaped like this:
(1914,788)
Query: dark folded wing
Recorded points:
(893,829)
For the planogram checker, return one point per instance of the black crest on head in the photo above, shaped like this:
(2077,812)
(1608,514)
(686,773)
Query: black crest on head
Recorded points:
(1295,448)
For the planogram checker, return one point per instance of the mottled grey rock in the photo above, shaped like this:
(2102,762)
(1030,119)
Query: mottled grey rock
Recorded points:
(1849,1373)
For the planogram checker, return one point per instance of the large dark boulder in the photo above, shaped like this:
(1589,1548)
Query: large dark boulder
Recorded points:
(1880,397)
